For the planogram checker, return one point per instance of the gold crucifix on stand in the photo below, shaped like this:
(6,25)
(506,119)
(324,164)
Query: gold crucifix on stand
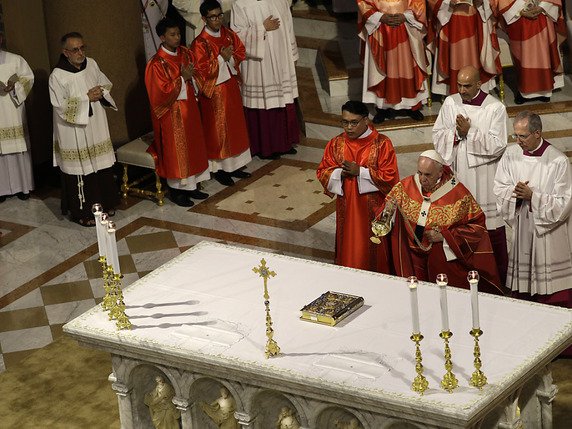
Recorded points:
(272,348)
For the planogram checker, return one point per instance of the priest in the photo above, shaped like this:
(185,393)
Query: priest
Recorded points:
(440,228)
(218,53)
(470,135)
(269,86)
(79,93)
(179,146)
(359,167)
(533,187)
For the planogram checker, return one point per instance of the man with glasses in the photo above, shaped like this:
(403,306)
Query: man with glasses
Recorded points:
(533,187)
(359,167)
(16,80)
(218,53)
(470,135)
(83,150)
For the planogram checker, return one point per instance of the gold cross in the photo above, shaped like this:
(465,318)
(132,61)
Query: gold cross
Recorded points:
(263,270)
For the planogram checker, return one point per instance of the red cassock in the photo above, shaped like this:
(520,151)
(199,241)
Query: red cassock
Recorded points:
(179,145)
(355,211)
(224,123)
(460,220)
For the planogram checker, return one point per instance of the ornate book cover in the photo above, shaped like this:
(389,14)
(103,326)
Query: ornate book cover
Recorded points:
(331,307)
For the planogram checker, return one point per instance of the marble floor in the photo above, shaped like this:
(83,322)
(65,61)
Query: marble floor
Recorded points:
(48,268)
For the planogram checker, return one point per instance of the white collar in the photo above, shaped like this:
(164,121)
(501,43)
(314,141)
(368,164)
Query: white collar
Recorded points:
(174,54)
(212,33)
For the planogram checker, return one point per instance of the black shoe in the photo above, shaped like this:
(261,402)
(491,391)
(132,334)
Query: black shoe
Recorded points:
(519,99)
(273,156)
(543,99)
(292,151)
(240,174)
(380,116)
(197,195)
(416,115)
(180,198)
(390,113)
(2,198)
(223,178)
(22,196)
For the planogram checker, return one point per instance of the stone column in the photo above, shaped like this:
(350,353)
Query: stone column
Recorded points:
(124,401)
(113,33)
(245,420)
(183,405)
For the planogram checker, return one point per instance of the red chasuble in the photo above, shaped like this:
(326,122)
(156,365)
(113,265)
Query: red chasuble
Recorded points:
(179,146)
(459,218)
(355,211)
(221,105)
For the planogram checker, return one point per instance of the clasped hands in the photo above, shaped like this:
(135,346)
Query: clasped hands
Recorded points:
(523,191)
(9,87)
(95,93)
(463,125)
(393,19)
(531,12)
(226,52)
(433,235)
(350,168)
(188,71)
(476,3)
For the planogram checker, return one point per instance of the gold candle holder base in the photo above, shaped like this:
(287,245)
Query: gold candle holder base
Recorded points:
(107,274)
(449,381)
(420,383)
(478,378)
(117,310)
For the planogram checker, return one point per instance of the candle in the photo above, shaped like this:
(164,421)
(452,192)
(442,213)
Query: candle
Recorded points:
(473,278)
(103,219)
(97,211)
(112,246)
(442,281)
(414,304)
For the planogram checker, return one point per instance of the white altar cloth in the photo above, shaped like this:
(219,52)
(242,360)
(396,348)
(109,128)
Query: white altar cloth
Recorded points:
(205,307)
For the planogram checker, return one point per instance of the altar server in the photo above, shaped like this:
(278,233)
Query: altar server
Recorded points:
(470,135)
(16,80)
(359,167)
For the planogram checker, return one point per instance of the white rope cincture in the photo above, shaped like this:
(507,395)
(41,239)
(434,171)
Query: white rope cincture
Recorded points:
(80,194)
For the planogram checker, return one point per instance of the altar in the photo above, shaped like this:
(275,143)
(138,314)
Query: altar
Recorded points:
(199,323)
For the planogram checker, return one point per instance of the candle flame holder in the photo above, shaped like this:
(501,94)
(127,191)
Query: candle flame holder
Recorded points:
(449,381)
(478,378)
(420,383)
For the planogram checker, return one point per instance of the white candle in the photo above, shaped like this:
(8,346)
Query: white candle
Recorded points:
(414,304)
(112,246)
(442,281)
(96,209)
(103,219)
(473,278)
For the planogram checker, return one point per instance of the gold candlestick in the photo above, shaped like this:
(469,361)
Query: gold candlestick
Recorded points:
(478,378)
(272,348)
(117,310)
(449,381)
(420,383)
(109,299)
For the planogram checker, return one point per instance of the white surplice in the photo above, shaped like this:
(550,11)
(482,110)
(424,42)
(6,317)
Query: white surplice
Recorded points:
(269,72)
(15,161)
(474,159)
(82,144)
(540,257)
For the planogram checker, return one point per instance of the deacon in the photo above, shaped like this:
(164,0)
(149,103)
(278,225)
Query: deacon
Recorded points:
(218,53)
(536,30)
(470,135)
(83,151)
(16,80)
(359,167)
(533,187)
(465,34)
(395,63)
(440,228)
(269,86)
(179,145)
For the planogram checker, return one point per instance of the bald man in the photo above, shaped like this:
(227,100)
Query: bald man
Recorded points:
(470,134)
(440,228)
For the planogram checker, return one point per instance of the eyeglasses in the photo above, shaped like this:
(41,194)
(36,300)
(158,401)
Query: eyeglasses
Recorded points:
(521,136)
(81,48)
(213,18)
(351,124)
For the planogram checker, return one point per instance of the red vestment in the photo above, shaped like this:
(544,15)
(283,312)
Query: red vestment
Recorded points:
(460,220)
(355,211)
(179,145)
(224,123)
(534,46)
(464,40)
(398,53)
